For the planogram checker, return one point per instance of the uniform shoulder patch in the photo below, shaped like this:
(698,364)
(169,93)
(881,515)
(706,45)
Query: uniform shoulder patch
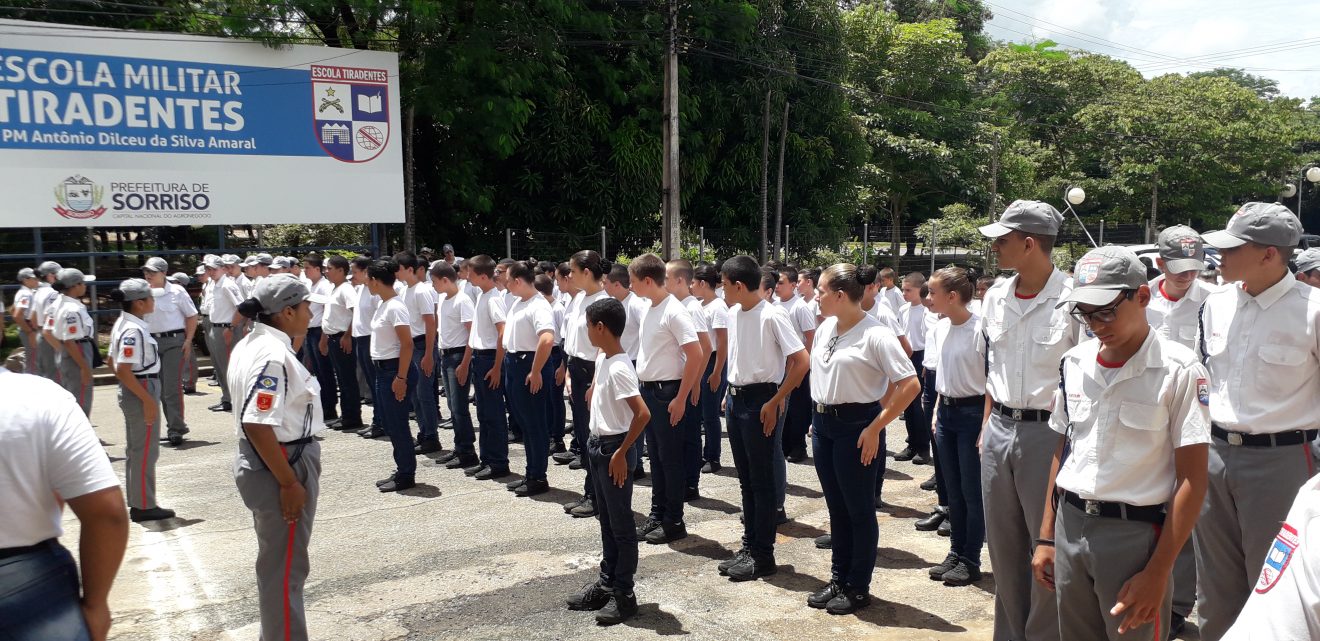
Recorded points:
(265,382)
(1277,559)
(130,340)
(265,400)
(128,352)
(1203,391)
(71,319)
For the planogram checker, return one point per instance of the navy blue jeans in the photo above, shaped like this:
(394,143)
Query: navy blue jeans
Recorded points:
(362,350)
(39,596)
(393,415)
(558,412)
(798,418)
(493,441)
(581,373)
(915,418)
(618,535)
(957,429)
(666,441)
(928,396)
(847,484)
(456,396)
(692,440)
(324,369)
(350,397)
(424,402)
(754,457)
(532,410)
(710,412)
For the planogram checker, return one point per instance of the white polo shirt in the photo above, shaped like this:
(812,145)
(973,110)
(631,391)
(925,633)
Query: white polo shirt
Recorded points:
(1026,339)
(49,449)
(798,314)
(664,330)
(274,387)
(23,300)
(42,298)
(636,307)
(613,384)
(364,311)
(1176,319)
(858,365)
(488,312)
(384,338)
(420,302)
(339,311)
(959,369)
(226,298)
(454,320)
(525,323)
(1263,354)
(131,344)
(576,342)
(760,342)
(1127,421)
(70,320)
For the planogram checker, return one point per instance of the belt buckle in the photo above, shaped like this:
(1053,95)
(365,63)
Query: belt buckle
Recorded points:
(1016,414)
(733,391)
(820,408)
(1234,438)
(1093,508)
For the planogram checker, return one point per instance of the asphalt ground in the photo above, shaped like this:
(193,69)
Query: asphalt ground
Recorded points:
(457,558)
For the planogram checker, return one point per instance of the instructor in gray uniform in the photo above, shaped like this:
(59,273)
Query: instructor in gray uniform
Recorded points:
(172,324)
(278,468)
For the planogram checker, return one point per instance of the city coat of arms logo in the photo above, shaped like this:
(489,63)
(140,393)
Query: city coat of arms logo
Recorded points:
(79,198)
(350,111)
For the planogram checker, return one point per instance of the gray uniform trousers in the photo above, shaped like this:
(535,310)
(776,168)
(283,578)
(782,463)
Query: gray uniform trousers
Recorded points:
(1015,469)
(282,563)
(1094,557)
(141,448)
(220,357)
(1251,490)
(46,361)
(71,376)
(1184,580)
(172,365)
(29,351)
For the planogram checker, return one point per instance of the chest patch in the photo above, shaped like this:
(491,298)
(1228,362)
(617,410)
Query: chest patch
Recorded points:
(1276,561)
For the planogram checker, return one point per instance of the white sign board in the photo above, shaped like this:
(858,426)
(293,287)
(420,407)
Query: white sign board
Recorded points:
(103,127)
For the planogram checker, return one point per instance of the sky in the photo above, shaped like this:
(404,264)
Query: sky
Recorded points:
(1278,39)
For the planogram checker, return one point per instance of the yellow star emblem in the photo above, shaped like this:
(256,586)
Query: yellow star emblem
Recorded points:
(329,91)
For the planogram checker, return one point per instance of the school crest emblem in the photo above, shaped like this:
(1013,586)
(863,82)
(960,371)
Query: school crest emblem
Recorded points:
(350,111)
(1088,269)
(79,198)
(1188,245)
(1203,391)
(1276,561)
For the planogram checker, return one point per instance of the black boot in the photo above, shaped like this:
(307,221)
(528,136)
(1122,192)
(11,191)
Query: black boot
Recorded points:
(822,598)
(848,602)
(592,597)
(622,606)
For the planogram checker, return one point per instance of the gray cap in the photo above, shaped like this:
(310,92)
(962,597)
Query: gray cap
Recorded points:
(1028,216)
(282,262)
(201,269)
(1269,224)
(26,273)
(250,261)
(156,264)
(48,267)
(180,278)
(265,259)
(282,290)
(70,277)
(138,289)
(1104,272)
(230,259)
(1181,249)
(211,261)
(1308,260)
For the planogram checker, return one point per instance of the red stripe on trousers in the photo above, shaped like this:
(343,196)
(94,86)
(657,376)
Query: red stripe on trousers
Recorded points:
(146,456)
(1310,462)
(288,567)
(1159,530)
(183,362)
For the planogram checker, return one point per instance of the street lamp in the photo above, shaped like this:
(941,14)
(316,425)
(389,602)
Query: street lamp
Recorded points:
(1312,174)
(1287,191)
(1077,196)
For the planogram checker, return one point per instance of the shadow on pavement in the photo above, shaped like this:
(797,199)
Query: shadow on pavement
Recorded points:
(708,503)
(701,546)
(175,523)
(191,445)
(894,559)
(888,614)
(422,490)
(804,492)
(651,617)
(797,530)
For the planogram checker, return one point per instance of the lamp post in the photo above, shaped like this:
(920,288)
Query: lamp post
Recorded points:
(1077,196)
(1311,174)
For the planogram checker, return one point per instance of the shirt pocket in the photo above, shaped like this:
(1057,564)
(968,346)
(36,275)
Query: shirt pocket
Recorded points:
(1281,363)
(1050,345)
(1142,429)
(1184,334)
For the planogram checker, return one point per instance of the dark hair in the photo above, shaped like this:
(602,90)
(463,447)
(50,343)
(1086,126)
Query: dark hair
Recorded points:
(985,280)
(682,269)
(441,269)
(481,265)
(812,275)
(383,271)
(790,273)
(1045,242)
(506,262)
(361,263)
(610,313)
(406,260)
(523,272)
(338,262)
(648,266)
(742,269)
(544,284)
(619,274)
(589,261)
(954,279)
(769,278)
(707,274)
(563,270)
(251,308)
(846,278)
(545,267)
(866,274)
(315,260)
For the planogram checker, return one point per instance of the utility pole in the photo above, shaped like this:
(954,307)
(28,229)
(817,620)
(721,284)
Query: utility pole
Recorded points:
(1154,204)
(994,195)
(409,214)
(765,181)
(779,199)
(669,233)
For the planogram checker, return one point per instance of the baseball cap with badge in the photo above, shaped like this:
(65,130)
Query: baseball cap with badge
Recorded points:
(156,264)
(1269,224)
(1104,272)
(138,289)
(47,268)
(70,277)
(1181,249)
(1027,216)
(282,290)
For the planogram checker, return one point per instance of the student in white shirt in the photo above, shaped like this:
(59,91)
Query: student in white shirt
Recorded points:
(21,312)
(43,299)
(913,316)
(485,366)
(508,299)
(618,416)
(766,363)
(937,521)
(70,326)
(862,382)
(421,304)
(1128,477)
(714,384)
(889,292)
(545,286)
(529,335)
(363,312)
(396,377)
(678,282)
(797,419)
(618,284)
(961,407)
(870,277)
(454,314)
(808,280)
(336,343)
(321,365)
(586,280)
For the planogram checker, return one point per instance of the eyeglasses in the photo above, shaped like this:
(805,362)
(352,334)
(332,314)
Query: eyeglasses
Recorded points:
(1105,314)
(830,346)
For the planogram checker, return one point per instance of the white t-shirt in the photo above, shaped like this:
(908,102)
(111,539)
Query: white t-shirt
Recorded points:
(915,325)
(615,382)
(576,342)
(888,318)
(364,311)
(339,311)
(488,312)
(760,342)
(454,318)
(420,302)
(664,330)
(892,297)
(384,341)
(45,448)
(693,306)
(525,322)
(931,357)
(636,306)
(961,369)
(857,366)
(799,314)
(324,288)
(717,317)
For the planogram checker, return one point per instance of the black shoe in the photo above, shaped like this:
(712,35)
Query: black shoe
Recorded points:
(932,522)
(557,447)
(193,392)
(568,507)
(848,602)
(905,455)
(592,597)
(576,463)
(937,573)
(515,485)
(350,427)
(176,439)
(475,469)
(921,459)
(515,438)
(334,423)
(796,456)
(710,467)
(825,542)
(962,574)
(372,432)
(586,510)
(781,517)
(397,484)
(427,447)
(732,561)
(649,525)
(929,484)
(620,608)
(149,514)
(221,407)
(388,479)
(691,494)
(667,534)
(490,473)
(563,458)
(639,474)
(945,529)
(532,488)
(462,462)
(826,594)
(446,457)
(1176,624)
(751,568)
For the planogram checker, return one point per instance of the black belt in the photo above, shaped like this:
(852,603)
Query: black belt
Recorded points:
(29,549)
(450,351)
(519,354)
(176,332)
(949,401)
(848,411)
(1029,416)
(1280,439)
(222,324)
(483,352)
(754,389)
(581,362)
(386,361)
(1144,513)
(302,441)
(142,376)
(608,438)
(655,385)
